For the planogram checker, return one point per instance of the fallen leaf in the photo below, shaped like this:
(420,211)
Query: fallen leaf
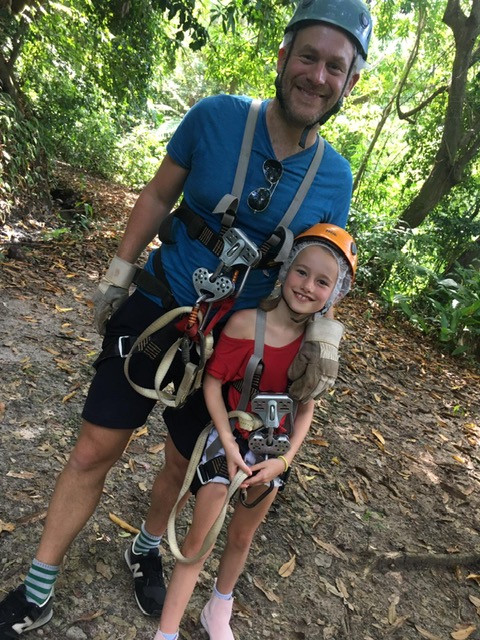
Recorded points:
(464,633)
(330,548)
(288,568)
(6,526)
(68,397)
(121,523)
(392,609)
(319,442)
(104,570)
(269,594)
(310,466)
(142,486)
(33,517)
(2,410)
(426,634)
(330,588)
(24,475)
(378,435)
(342,588)
(458,459)
(301,479)
(475,601)
(157,448)
(87,617)
(358,493)
(63,309)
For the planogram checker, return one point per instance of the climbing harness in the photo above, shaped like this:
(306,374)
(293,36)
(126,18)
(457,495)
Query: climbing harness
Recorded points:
(217,290)
(263,422)
(239,254)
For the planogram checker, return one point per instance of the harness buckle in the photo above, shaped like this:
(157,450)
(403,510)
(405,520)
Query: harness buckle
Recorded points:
(123,351)
(200,475)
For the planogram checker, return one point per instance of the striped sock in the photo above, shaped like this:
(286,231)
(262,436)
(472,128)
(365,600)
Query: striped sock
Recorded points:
(40,581)
(145,542)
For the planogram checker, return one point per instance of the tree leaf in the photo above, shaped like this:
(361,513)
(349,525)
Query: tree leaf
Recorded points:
(464,633)
(288,568)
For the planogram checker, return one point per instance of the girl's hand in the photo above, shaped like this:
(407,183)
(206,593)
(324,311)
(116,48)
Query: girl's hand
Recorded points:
(264,472)
(235,461)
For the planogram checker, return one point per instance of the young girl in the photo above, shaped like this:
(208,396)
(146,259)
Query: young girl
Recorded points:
(318,272)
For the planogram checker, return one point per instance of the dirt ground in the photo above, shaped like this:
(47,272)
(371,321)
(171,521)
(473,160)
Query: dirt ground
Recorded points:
(390,467)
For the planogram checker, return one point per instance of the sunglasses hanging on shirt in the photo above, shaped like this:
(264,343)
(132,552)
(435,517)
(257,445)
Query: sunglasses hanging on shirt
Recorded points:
(259,199)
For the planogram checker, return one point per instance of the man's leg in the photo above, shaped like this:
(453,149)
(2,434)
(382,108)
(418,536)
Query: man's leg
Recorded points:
(165,489)
(142,556)
(79,487)
(75,497)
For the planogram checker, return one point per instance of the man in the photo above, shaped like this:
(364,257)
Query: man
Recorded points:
(319,62)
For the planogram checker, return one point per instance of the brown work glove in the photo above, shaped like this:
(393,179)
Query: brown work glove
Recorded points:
(315,366)
(112,291)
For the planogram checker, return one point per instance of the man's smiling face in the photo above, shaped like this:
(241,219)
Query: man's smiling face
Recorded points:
(314,76)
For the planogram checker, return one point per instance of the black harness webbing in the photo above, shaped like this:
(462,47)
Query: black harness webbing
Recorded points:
(156,285)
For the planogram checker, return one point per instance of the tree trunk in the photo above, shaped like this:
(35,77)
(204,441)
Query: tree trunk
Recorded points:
(457,147)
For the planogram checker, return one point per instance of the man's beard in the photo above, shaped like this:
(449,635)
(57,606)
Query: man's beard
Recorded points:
(318,119)
(290,114)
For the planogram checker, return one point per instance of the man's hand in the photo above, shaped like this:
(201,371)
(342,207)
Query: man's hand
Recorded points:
(112,291)
(315,366)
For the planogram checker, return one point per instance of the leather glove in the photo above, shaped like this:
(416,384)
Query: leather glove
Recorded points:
(112,291)
(315,366)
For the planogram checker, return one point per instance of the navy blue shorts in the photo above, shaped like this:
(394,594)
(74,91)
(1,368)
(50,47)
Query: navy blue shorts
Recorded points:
(111,401)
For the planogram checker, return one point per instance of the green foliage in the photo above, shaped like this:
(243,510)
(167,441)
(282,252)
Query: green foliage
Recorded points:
(449,308)
(21,158)
(107,82)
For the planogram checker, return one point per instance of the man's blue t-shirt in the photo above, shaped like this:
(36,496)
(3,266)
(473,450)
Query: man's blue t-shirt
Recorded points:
(207,143)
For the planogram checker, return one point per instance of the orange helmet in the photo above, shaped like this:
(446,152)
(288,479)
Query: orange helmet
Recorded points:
(340,244)
(336,237)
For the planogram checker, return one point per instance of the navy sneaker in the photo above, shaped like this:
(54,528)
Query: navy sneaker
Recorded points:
(150,590)
(17,615)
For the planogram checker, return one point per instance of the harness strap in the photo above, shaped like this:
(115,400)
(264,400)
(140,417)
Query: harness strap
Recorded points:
(217,525)
(193,373)
(255,363)
(246,148)
(156,285)
(287,236)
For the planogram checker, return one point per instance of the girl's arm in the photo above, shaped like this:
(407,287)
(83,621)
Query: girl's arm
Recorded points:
(272,467)
(212,390)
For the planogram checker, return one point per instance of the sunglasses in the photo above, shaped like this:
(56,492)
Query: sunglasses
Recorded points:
(259,199)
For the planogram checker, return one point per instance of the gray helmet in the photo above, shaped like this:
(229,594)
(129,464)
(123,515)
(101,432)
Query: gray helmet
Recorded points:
(352,16)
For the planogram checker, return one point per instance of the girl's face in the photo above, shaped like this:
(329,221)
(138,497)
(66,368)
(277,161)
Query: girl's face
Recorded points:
(310,280)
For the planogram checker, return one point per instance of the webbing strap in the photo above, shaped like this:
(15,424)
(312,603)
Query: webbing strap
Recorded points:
(292,210)
(254,361)
(192,375)
(246,148)
(217,525)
